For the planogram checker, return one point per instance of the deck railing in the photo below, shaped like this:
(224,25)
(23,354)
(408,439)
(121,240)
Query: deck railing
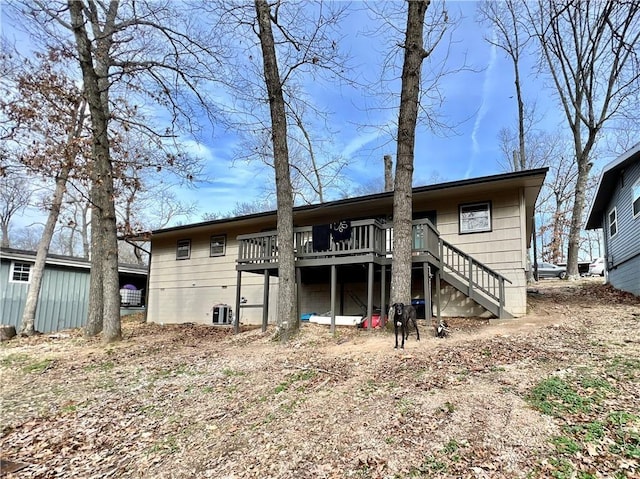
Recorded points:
(478,276)
(376,238)
(367,236)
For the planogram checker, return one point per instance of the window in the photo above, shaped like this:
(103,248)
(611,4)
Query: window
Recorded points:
(218,245)
(184,249)
(635,199)
(20,272)
(613,223)
(475,218)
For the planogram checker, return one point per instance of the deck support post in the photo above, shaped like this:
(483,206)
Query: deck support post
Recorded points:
(383,292)
(426,285)
(438,296)
(333,299)
(265,301)
(236,322)
(298,293)
(370,295)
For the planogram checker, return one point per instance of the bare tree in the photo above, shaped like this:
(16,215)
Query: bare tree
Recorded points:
(47,112)
(55,108)
(15,198)
(75,220)
(308,46)
(388,172)
(295,43)
(288,322)
(414,54)
(27,237)
(561,184)
(75,129)
(138,49)
(590,50)
(511,36)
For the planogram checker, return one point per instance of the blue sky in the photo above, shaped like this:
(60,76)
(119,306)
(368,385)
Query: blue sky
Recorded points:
(476,103)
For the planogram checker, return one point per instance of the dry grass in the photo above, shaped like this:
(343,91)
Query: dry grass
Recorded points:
(196,401)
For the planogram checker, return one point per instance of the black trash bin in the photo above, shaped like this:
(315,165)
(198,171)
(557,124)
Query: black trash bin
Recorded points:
(419,305)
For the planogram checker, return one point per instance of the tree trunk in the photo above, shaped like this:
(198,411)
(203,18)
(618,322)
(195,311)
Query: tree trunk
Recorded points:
(84,231)
(4,227)
(555,247)
(584,166)
(96,302)
(288,321)
(407,119)
(94,63)
(33,293)
(31,304)
(388,173)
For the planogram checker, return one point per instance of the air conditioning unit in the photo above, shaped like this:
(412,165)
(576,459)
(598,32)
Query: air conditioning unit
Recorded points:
(222,314)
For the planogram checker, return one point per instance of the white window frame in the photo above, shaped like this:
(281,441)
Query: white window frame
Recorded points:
(465,229)
(15,271)
(218,241)
(181,244)
(635,197)
(613,223)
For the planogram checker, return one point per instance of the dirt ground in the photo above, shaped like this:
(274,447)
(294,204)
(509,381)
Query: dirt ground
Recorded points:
(553,394)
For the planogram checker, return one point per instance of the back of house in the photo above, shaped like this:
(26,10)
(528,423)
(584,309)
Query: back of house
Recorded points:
(471,235)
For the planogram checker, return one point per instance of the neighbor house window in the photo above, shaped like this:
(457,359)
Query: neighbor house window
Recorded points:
(613,223)
(475,218)
(218,245)
(20,272)
(635,199)
(184,249)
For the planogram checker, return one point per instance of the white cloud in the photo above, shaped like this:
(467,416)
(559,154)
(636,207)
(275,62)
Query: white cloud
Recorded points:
(197,149)
(482,111)
(359,142)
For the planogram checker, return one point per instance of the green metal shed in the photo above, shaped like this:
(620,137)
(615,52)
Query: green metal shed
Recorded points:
(64,295)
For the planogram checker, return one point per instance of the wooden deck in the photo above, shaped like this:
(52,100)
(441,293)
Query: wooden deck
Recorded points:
(371,242)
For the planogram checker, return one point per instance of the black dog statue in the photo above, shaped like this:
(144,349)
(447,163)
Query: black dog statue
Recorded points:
(401,315)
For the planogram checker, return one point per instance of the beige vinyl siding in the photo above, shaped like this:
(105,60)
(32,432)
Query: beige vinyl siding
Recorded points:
(501,249)
(186,290)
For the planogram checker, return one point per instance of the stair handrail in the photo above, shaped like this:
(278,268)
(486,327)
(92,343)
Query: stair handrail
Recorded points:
(473,265)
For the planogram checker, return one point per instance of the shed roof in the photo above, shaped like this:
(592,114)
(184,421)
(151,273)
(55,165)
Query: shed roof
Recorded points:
(606,186)
(68,261)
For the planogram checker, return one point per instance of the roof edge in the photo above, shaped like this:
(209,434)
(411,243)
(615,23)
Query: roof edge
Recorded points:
(356,199)
(62,260)
(593,222)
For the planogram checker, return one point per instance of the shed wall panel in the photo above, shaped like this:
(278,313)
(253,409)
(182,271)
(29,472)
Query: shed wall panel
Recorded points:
(63,300)
(12,296)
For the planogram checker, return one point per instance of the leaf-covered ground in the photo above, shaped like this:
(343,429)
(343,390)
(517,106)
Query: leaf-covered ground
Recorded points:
(554,394)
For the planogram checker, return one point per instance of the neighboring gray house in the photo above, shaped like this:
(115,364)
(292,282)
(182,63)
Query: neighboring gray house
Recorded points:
(64,295)
(616,209)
